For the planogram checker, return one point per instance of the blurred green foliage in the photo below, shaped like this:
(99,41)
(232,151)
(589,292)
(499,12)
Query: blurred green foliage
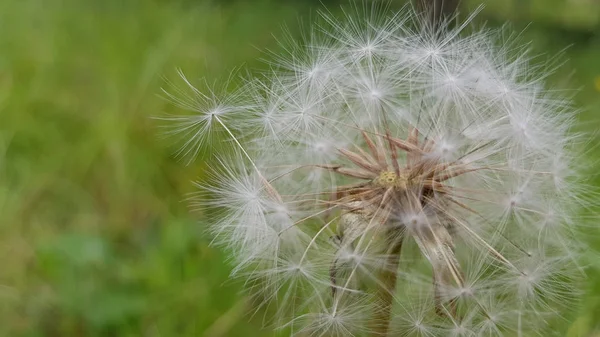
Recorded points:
(94,237)
(570,14)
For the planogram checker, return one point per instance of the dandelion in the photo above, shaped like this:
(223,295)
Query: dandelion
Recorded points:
(391,178)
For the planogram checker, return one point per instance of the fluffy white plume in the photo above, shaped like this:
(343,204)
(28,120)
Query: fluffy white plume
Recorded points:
(395,178)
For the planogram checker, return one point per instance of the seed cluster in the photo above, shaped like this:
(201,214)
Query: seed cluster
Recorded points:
(395,179)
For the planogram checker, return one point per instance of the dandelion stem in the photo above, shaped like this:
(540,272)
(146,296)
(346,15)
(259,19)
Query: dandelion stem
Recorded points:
(385,290)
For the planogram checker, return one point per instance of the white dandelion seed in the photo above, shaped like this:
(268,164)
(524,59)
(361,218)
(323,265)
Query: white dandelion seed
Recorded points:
(395,178)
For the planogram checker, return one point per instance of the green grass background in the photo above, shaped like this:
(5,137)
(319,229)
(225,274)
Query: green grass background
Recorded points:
(95,239)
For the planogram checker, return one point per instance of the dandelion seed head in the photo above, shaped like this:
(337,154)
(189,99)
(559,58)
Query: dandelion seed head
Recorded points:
(392,177)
